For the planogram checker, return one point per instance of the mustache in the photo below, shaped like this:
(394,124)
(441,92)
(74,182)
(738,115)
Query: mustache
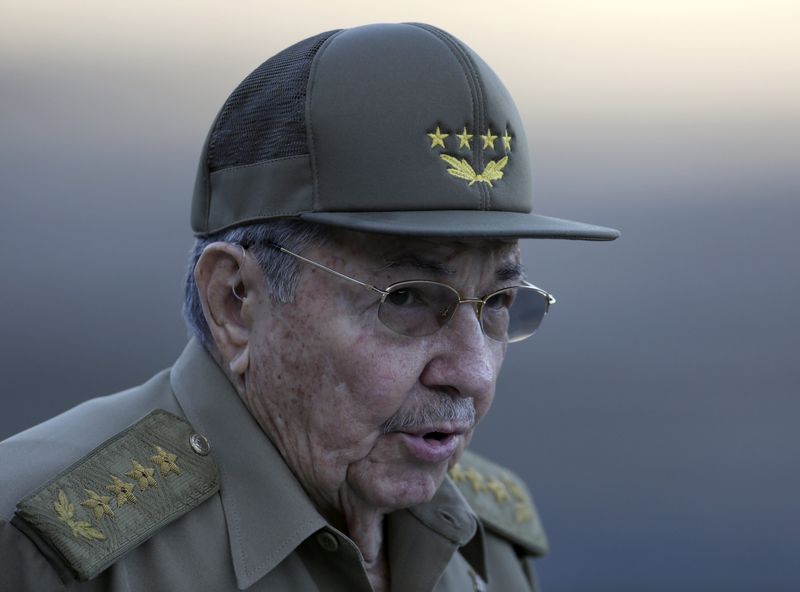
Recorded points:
(431,410)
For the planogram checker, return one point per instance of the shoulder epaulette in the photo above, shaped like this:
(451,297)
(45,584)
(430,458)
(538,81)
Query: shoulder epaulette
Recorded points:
(501,501)
(121,493)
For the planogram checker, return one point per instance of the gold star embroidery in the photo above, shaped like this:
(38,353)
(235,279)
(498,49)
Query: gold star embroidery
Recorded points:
(522,512)
(165,461)
(437,138)
(488,139)
(123,491)
(498,489)
(143,475)
(98,504)
(514,489)
(457,473)
(464,138)
(476,479)
(506,141)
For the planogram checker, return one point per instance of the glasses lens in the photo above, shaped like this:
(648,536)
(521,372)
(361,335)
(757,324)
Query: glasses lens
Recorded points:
(514,313)
(417,308)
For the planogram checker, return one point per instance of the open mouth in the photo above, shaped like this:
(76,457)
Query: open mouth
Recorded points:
(436,436)
(433,446)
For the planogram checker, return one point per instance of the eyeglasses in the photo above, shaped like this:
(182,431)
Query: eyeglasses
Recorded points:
(417,308)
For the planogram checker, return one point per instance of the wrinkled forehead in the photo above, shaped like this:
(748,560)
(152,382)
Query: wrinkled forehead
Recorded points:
(436,256)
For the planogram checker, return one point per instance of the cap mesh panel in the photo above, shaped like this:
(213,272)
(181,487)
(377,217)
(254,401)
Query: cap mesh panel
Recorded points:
(264,117)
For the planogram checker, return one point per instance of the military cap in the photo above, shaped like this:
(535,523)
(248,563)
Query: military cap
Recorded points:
(389,128)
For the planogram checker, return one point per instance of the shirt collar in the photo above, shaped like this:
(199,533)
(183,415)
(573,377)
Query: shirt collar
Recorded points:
(267,512)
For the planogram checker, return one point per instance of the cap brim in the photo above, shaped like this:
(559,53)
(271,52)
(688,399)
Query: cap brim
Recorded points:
(463,223)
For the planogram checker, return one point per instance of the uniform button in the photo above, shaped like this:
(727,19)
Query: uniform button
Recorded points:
(328,541)
(199,444)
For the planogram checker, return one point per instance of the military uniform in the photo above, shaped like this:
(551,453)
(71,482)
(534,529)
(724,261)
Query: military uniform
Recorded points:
(394,129)
(195,497)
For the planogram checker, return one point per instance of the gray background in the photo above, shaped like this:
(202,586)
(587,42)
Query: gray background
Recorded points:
(654,415)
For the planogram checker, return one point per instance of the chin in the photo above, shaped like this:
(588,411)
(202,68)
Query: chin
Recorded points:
(397,490)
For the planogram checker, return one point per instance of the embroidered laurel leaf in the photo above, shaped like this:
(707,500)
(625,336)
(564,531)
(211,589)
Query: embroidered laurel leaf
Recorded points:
(451,160)
(63,507)
(460,168)
(87,531)
(494,170)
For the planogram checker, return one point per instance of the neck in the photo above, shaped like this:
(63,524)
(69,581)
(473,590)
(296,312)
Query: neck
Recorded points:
(365,526)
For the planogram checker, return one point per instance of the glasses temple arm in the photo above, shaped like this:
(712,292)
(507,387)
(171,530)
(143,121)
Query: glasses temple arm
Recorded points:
(550,298)
(328,269)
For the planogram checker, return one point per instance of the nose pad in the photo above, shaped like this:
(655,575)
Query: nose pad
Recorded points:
(474,307)
(448,311)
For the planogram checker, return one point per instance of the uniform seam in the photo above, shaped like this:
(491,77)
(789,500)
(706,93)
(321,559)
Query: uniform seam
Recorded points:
(311,83)
(474,92)
(260,163)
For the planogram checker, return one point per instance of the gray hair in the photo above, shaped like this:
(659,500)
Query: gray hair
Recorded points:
(280,270)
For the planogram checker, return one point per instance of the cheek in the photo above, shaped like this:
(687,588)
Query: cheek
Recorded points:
(484,402)
(376,375)
(342,376)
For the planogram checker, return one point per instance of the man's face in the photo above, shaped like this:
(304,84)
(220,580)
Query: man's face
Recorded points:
(327,378)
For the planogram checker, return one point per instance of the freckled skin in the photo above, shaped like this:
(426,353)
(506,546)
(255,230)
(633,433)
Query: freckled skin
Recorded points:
(325,374)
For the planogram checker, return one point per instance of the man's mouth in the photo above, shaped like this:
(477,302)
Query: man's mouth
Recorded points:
(438,436)
(433,444)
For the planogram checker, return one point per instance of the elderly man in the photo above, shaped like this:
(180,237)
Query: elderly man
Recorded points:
(354,192)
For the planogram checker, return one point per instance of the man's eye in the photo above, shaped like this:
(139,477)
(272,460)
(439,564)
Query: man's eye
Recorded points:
(403,297)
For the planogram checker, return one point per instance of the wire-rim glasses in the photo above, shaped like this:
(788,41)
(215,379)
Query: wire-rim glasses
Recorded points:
(417,308)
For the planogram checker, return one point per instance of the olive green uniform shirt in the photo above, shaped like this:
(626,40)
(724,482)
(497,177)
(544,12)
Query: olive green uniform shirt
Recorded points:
(259,531)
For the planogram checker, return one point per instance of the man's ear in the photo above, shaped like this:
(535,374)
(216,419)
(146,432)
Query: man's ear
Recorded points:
(223,276)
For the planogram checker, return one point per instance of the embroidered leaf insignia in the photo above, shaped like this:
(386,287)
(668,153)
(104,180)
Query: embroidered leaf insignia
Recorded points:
(460,168)
(66,514)
(64,507)
(83,529)
(463,170)
(493,170)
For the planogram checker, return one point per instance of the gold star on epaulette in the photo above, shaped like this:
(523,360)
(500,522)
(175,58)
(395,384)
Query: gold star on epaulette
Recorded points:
(522,512)
(464,138)
(143,475)
(437,138)
(506,140)
(165,461)
(498,489)
(476,479)
(98,504)
(457,472)
(488,139)
(123,491)
(514,489)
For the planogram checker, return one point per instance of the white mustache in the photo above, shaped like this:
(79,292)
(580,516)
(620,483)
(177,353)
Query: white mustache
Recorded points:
(430,410)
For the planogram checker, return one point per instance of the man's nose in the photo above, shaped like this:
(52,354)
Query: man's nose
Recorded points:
(463,360)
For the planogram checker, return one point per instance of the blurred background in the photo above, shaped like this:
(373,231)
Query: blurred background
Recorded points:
(655,414)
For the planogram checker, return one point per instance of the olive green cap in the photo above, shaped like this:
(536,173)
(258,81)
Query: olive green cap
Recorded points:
(390,128)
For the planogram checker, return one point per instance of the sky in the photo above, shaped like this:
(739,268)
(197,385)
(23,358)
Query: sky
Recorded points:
(653,416)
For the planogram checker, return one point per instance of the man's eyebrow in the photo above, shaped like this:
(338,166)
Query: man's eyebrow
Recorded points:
(417,262)
(512,271)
